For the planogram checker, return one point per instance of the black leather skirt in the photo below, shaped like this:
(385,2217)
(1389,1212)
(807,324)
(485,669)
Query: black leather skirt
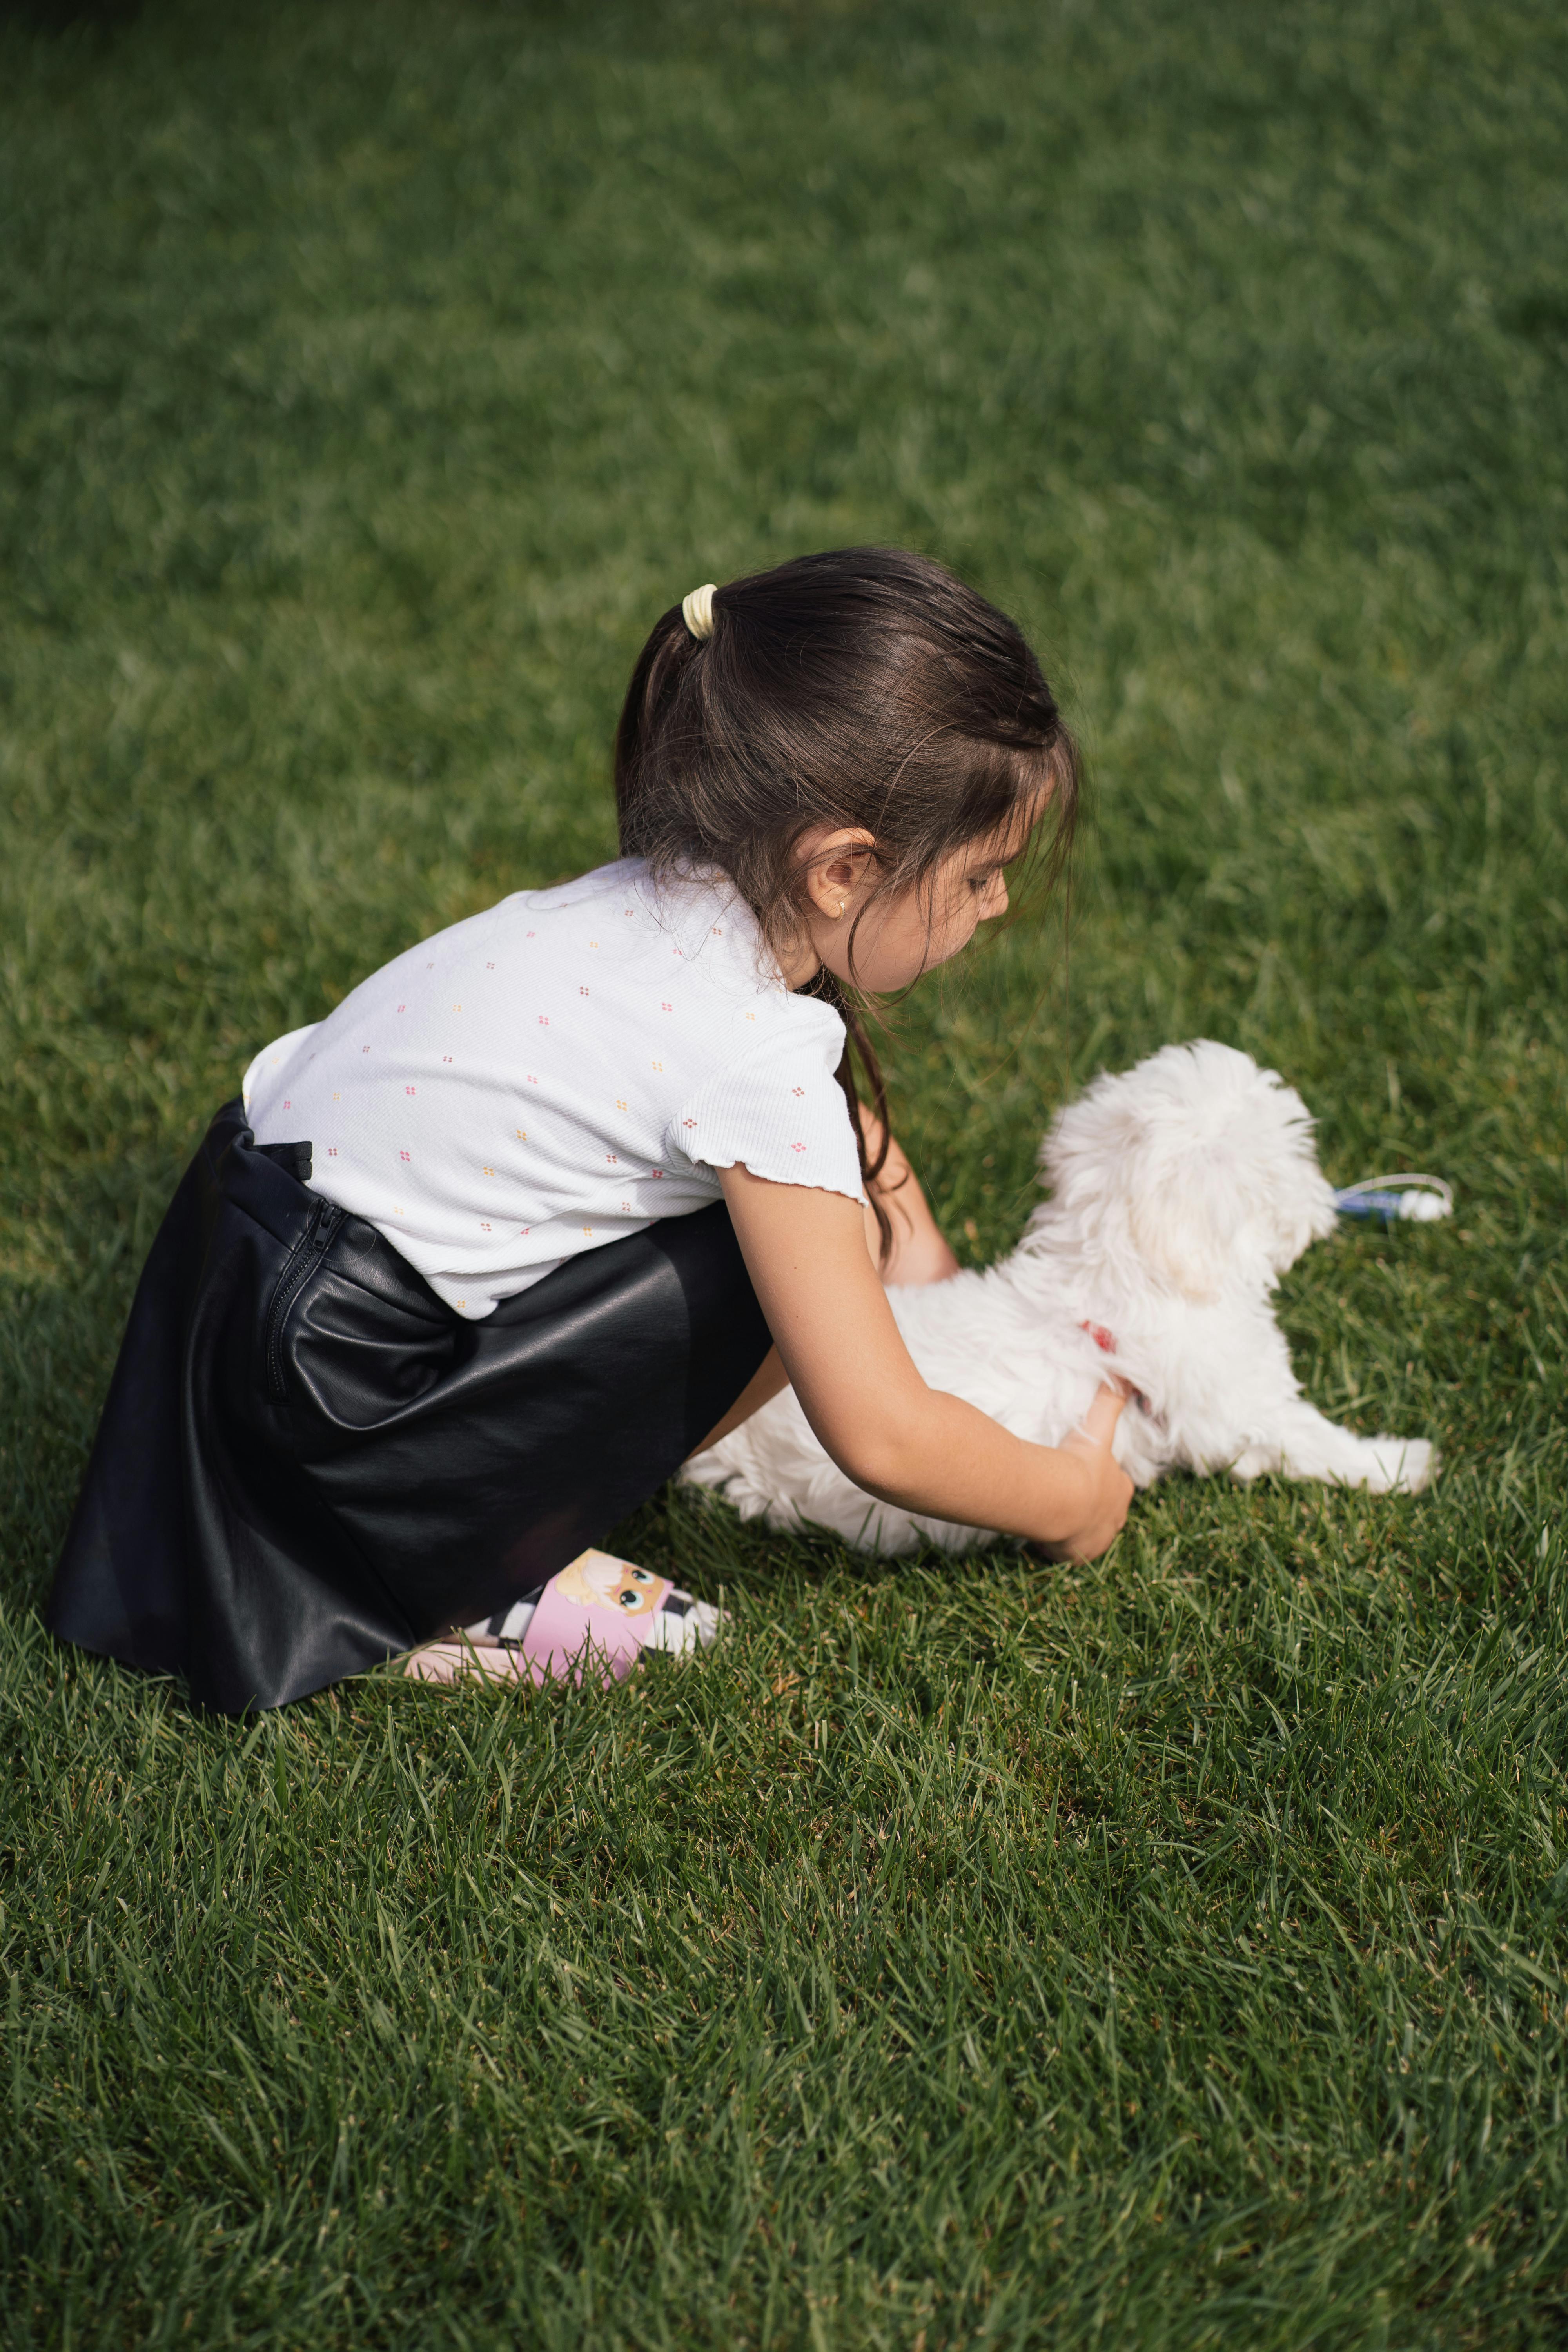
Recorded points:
(308,1462)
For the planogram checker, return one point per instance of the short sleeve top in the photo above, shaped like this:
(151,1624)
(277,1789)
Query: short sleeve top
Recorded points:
(557,1072)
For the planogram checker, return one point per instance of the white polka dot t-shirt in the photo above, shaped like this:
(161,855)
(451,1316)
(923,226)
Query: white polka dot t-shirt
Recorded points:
(558,1072)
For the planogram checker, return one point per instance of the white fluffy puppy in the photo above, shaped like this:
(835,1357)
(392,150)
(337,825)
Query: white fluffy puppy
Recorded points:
(1180,1192)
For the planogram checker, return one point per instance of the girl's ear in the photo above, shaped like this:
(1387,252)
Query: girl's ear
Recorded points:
(834,859)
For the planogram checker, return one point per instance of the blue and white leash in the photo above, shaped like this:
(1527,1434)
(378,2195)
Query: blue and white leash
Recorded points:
(1422,1199)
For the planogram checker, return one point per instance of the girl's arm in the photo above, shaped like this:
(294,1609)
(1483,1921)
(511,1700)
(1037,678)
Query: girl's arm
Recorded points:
(908,1443)
(920,1251)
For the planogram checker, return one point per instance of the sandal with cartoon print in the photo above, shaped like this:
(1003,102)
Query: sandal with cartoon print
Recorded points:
(597,1613)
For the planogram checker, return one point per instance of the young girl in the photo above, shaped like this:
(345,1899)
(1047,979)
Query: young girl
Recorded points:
(563,1192)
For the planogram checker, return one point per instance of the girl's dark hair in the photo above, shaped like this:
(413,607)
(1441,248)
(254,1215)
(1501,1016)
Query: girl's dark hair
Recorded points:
(862,686)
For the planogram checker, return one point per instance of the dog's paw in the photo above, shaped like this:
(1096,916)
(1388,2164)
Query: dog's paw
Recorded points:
(1401,1466)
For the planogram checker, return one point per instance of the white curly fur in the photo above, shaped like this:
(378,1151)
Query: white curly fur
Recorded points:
(1180,1192)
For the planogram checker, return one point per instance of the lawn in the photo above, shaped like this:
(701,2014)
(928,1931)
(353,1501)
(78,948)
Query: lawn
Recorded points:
(1170,1953)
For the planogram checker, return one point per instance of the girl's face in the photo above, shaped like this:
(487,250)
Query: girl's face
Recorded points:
(898,937)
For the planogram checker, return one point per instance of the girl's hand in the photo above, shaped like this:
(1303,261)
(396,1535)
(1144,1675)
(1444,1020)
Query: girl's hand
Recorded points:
(1108,1488)
(908,1443)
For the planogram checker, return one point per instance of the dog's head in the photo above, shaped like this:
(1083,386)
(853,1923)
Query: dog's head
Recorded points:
(1197,1164)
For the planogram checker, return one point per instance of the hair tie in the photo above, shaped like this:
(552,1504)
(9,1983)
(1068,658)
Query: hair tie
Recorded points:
(697,611)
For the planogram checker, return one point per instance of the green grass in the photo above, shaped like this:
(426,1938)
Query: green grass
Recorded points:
(1165,1954)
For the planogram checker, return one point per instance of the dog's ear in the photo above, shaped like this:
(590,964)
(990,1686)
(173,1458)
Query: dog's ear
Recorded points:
(1197,1162)
(1183,1225)
(1242,1204)
(1139,1187)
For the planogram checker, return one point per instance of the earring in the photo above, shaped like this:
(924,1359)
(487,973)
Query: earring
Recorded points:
(842,904)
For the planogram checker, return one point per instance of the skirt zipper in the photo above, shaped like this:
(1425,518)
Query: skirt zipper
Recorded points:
(325,1219)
